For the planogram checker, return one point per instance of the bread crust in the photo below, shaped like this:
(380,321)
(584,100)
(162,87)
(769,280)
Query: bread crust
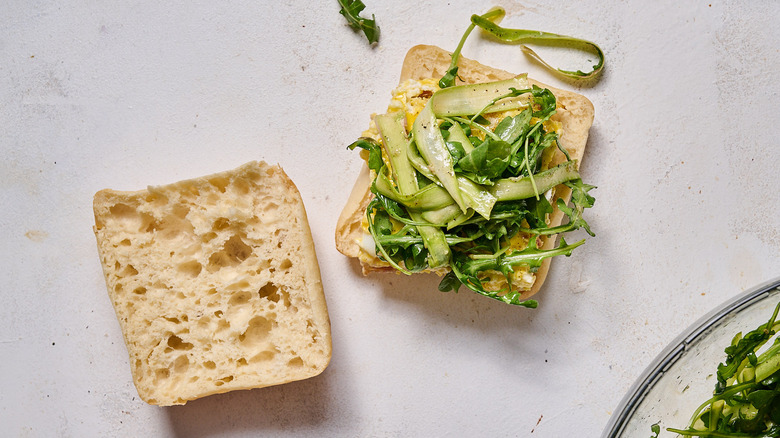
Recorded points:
(575,113)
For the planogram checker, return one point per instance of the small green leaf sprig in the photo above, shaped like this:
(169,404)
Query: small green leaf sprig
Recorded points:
(351,10)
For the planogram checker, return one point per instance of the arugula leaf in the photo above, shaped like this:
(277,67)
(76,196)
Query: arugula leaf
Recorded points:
(580,200)
(473,283)
(739,352)
(448,79)
(382,223)
(538,209)
(546,102)
(450,282)
(393,209)
(351,10)
(456,150)
(415,258)
(486,162)
(375,162)
(655,429)
(512,129)
(761,398)
(530,256)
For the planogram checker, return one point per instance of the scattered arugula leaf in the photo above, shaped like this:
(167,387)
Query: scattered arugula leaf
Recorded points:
(351,10)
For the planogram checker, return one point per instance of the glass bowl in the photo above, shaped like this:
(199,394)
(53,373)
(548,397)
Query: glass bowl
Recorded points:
(683,375)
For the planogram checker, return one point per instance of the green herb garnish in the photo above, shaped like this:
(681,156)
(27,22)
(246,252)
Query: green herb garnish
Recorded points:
(351,10)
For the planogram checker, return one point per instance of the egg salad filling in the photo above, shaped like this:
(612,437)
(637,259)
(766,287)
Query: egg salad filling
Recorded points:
(463,183)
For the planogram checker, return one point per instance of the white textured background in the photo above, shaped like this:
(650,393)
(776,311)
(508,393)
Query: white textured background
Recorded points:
(124,94)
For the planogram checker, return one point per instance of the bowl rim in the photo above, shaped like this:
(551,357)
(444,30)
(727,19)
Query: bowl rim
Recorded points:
(669,355)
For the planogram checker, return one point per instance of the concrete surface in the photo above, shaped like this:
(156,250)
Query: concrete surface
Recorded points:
(132,93)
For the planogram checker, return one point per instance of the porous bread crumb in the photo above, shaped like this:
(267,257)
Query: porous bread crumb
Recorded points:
(215,283)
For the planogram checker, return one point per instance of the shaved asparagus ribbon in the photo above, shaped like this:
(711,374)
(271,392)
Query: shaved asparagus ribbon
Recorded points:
(521,36)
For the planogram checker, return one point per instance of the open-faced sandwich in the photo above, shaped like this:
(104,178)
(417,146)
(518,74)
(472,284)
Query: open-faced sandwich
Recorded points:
(475,182)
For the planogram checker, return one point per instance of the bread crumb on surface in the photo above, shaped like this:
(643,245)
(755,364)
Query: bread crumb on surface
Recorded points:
(215,283)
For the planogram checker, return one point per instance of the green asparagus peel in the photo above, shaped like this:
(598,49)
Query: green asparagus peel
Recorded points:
(746,399)
(522,36)
(430,197)
(396,144)
(433,149)
(511,189)
(351,10)
(478,99)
